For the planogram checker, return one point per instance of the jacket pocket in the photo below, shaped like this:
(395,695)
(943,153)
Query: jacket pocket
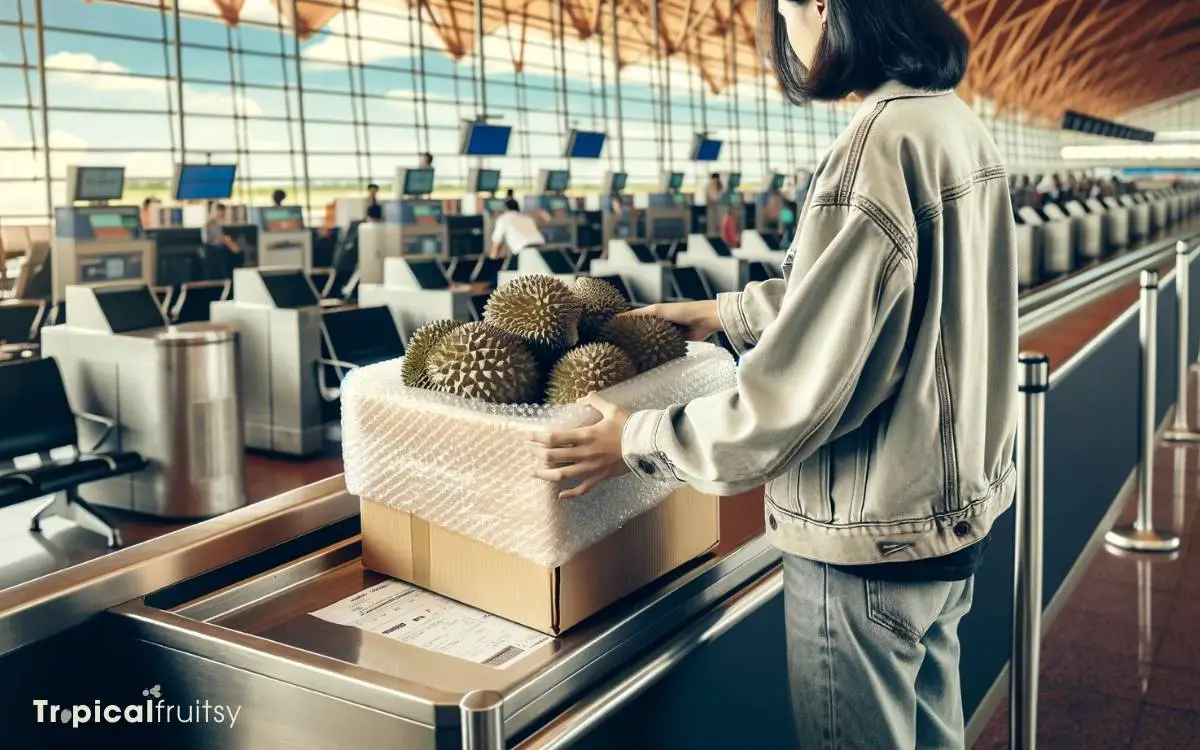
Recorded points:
(810,488)
(907,609)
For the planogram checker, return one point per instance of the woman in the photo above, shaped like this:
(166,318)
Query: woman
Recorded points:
(876,392)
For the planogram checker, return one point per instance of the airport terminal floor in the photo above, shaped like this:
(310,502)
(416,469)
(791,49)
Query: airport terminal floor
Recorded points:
(288,291)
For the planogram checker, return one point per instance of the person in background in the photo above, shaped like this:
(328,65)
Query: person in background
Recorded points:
(714,190)
(221,253)
(278,197)
(372,195)
(374,213)
(426,160)
(514,232)
(876,395)
(148,213)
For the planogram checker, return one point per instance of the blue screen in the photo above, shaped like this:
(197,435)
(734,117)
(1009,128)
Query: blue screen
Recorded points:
(205,182)
(708,150)
(487,140)
(586,145)
(418,181)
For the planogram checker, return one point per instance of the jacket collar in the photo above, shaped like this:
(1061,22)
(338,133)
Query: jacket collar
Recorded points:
(896,90)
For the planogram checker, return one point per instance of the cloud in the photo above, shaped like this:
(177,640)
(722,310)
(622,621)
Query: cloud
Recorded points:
(28,199)
(85,70)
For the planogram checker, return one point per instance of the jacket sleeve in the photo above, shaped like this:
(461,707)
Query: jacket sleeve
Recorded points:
(745,315)
(834,351)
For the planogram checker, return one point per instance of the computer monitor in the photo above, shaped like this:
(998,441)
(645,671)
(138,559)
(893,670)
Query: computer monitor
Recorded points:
(554,180)
(614,182)
(464,236)
(643,253)
(585,144)
(416,181)
(428,273)
(706,149)
(483,180)
(776,182)
(733,181)
(671,181)
(556,234)
(557,262)
(18,321)
(720,248)
(282,219)
(484,139)
(97,269)
(290,289)
(128,310)
(494,206)
(95,183)
(690,284)
(204,182)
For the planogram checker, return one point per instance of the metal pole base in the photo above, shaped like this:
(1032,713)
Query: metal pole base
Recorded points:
(1179,435)
(1138,540)
(1128,554)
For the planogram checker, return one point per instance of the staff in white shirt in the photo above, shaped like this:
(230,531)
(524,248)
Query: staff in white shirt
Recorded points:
(514,230)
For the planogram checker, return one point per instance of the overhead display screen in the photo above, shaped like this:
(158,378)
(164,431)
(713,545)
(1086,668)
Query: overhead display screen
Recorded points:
(617,181)
(98,183)
(204,182)
(585,144)
(674,181)
(557,180)
(487,181)
(706,149)
(483,139)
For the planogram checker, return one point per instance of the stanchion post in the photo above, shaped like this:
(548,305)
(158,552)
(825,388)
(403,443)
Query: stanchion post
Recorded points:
(1142,536)
(1027,566)
(482,716)
(1181,431)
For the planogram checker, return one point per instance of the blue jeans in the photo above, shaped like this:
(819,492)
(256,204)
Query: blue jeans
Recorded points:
(873,664)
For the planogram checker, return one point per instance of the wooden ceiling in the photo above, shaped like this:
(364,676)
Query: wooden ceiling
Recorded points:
(1102,57)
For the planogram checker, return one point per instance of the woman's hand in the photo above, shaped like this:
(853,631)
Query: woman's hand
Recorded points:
(699,320)
(590,454)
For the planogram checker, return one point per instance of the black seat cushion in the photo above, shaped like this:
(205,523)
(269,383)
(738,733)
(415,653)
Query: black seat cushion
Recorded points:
(18,485)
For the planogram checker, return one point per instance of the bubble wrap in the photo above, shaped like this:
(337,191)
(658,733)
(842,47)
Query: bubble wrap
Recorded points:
(464,465)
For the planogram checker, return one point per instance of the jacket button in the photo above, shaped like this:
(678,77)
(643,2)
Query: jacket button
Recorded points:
(771,520)
(962,528)
(646,467)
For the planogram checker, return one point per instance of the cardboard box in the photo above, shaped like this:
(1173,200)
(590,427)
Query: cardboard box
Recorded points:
(681,528)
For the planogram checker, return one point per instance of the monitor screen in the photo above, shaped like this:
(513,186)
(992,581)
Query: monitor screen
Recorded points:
(418,181)
(483,139)
(557,234)
(487,181)
(464,236)
(98,183)
(96,269)
(290,289)
(204,182)
(557,262)
(690,284)
(282,219)
(643,253)
(130,309)
(494,206)
(558,205)
(585,144)
(734,181)
(674,181)
(557,180)
(112,225)
(706,149)
(617,182)
(719,247)
(776,182)
(16,322)
(668,229)
(428,273)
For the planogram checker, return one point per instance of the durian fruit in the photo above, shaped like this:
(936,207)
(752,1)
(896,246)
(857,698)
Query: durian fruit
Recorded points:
(648,341)
(541,311)
(414,371)
(601,301)
(478,361)
(591,367)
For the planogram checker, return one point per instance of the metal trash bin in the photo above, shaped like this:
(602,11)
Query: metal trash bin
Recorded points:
(202,456)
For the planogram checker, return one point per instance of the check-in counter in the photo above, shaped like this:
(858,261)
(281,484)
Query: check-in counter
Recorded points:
(1116,222)
(1087,232)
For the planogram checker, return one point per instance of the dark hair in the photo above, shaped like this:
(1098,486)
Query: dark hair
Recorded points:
(374,211)
(147,202)
(372,186)
(219,206)
(427,157)
(715,176)
(512,205)
(865,44)
(278,196)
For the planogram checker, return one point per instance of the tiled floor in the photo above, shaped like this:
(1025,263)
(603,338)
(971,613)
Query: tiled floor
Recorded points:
(1121,662)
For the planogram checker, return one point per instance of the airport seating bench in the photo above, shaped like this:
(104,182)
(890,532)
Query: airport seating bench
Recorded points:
(39,420)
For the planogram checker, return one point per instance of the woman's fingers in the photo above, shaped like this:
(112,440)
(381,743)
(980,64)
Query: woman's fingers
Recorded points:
(567,473)
(581,489)
(553,456)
